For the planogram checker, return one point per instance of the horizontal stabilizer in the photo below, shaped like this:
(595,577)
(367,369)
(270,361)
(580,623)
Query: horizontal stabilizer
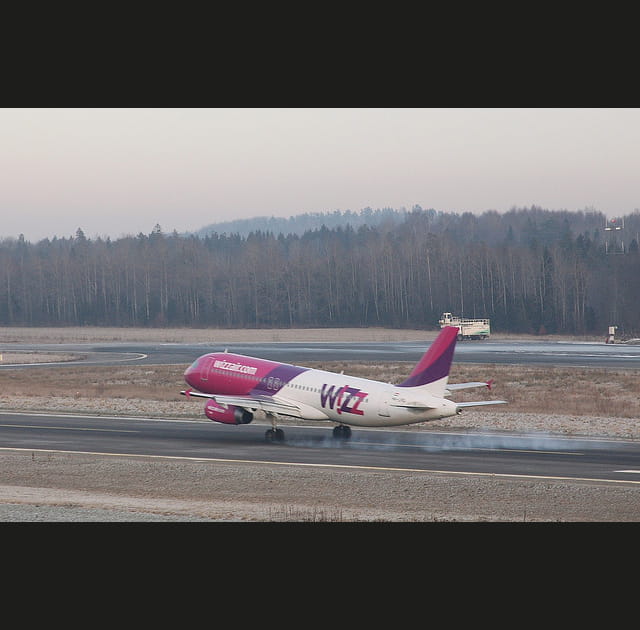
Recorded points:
(480,403)
(425,401)
(454,386)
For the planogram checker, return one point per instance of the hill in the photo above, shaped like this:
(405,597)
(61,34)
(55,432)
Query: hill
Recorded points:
(301,223)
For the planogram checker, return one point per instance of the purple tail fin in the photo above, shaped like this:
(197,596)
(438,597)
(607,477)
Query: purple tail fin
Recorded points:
(436,361)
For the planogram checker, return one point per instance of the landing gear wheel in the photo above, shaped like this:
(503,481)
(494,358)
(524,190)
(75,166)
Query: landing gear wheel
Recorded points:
(274,435)
(342,432)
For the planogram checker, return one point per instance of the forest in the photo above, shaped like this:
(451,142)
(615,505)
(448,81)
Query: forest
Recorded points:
(529,270)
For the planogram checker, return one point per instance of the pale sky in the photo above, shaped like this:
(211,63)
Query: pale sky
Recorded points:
(117,171)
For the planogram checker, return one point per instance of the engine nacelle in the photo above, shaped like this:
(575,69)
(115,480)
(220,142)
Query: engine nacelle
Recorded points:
(227,415)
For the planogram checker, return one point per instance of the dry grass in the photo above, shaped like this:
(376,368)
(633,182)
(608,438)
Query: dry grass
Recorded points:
(304,514)
(96,334)
(91,334)
(549,390)
(556,390)
(154,382)
(36,357)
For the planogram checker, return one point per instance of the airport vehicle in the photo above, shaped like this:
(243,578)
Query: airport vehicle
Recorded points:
(237,386)
(469,328)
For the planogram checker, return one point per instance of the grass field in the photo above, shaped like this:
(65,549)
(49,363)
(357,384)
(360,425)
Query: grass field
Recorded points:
(573,391)
(566,390)
(93,334)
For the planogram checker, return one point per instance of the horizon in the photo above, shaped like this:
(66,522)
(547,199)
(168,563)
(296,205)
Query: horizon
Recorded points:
(320,214)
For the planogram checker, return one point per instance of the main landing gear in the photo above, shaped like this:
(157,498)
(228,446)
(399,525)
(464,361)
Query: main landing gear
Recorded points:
(342,432)
(274,435)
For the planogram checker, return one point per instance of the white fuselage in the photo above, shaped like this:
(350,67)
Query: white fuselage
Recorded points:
(363,402)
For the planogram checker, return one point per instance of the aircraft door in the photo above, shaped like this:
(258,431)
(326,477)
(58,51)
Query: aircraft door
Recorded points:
(204,372)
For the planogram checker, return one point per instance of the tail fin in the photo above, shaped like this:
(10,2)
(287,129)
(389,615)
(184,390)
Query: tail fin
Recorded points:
(432,370)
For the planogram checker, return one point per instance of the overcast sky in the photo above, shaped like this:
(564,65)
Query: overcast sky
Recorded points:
(122,171)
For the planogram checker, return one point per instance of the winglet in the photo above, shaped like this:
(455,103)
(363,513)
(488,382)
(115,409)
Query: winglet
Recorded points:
(490,383)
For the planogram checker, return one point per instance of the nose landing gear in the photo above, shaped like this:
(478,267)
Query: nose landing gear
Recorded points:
(274,434)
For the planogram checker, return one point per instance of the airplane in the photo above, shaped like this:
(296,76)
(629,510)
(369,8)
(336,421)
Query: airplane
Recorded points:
(237,386)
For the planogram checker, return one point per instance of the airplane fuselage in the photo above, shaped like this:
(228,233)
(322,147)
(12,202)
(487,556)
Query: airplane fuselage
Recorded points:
(317,394)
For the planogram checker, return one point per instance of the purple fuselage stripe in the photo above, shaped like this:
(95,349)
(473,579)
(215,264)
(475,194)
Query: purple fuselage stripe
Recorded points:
(276,379)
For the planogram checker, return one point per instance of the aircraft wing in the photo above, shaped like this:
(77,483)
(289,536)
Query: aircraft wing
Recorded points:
(269,404)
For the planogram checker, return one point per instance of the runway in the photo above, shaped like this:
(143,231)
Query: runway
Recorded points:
(532,457)
(577,354)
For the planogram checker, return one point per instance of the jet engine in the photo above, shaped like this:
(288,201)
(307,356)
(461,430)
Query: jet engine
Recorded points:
(227,415)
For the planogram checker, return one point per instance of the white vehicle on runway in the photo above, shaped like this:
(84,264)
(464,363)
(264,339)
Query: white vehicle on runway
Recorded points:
(468,328)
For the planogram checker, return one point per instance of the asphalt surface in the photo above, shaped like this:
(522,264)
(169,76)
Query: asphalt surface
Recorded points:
(578,354)
(492,454)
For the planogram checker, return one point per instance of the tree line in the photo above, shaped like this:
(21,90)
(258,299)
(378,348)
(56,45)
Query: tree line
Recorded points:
(529,270)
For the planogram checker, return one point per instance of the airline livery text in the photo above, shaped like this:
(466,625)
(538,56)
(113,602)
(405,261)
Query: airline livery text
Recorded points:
(345,399)
(235,367)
